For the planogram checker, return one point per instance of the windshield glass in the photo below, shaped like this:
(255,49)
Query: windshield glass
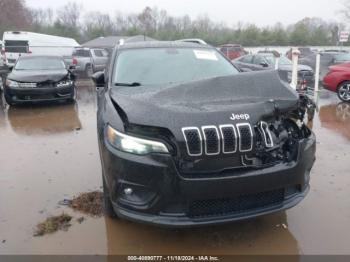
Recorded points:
(40,63)
(156,66)
(281,60)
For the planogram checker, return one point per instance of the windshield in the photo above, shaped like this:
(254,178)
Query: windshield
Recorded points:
(40,63)
(281,60)
(156,66)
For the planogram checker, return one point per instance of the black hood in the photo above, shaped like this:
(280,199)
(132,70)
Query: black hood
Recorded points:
(38,76)
(206,102)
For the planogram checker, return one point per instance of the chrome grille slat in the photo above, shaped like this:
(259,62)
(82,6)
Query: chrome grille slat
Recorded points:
(211,140)
(229,139)
(193,140)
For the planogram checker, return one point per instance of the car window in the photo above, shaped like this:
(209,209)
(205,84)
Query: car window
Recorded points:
(156,66)
(81,53)
(247,59)
(15,46)
(223,49)
(98,53)
(40,63)
(259,59)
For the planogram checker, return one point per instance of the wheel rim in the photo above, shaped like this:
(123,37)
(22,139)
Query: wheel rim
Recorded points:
(344,92)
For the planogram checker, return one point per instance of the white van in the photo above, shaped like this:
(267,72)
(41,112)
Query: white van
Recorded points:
(16,44)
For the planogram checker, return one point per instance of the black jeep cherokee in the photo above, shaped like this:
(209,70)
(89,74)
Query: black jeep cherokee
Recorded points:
(186,139)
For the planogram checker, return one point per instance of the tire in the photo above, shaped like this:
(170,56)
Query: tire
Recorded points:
(8,99)
(73,97)
(343,91)
(89,71)
(107,203)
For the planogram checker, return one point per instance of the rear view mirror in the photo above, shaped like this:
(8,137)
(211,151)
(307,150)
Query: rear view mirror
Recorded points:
(99,79)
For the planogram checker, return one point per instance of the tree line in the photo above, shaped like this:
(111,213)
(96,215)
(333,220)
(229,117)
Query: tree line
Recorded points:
(70,21)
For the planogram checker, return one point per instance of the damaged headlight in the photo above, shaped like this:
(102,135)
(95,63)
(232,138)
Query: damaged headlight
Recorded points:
(11,83)
(134,145)
(66,83)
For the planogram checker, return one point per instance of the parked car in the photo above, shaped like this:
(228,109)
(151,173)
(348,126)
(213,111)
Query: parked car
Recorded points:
(88,61)
(232,51)
(186,139)
(327,59)
(19,43)
(38,79)
(338,80)
(267,61)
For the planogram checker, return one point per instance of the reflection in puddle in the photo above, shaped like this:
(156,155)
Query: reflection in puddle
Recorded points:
(38,120)
(336,117)
(264,235)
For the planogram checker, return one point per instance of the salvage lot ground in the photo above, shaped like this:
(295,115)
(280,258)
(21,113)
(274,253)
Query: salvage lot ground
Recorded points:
(49,153)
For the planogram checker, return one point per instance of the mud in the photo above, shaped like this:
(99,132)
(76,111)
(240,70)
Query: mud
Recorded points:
(88,203)
(50,153)
(53,224)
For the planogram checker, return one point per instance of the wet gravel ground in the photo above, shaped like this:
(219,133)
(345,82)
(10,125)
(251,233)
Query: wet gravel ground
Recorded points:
(49,153)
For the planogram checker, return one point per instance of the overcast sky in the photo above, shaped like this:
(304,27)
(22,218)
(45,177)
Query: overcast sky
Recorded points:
(260,12)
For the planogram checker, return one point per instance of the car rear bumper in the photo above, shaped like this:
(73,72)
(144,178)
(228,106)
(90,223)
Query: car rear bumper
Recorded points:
(45,94)
(161,195)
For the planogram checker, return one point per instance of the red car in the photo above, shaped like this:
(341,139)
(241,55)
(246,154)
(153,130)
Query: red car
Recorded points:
(338,80)
(232,51)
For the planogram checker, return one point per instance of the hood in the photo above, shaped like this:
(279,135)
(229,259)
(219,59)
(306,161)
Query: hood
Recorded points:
(38,76)
(206,102)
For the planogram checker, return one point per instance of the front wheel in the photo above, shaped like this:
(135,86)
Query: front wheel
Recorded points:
(344,91)
(73,97)
(8,99)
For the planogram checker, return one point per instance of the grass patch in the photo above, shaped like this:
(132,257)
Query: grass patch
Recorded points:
(53,224)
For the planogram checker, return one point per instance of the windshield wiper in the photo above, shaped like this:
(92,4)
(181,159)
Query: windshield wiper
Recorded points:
(128,84)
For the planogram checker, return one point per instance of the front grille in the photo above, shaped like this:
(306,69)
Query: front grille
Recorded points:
(212,140)
(231,206)
(193,141)
(225,139)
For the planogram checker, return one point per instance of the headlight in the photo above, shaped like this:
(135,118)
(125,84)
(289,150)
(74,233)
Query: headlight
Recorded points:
(66,83)
(11,83)
(134,145)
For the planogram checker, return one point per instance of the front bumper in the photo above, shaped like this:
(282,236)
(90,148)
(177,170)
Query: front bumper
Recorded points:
(163,196)
(42,94)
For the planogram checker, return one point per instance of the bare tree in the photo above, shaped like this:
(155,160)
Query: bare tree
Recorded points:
(69,15)
(13,15)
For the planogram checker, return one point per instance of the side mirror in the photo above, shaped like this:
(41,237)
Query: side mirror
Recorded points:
(99,79)
(72,67)
(263,64)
